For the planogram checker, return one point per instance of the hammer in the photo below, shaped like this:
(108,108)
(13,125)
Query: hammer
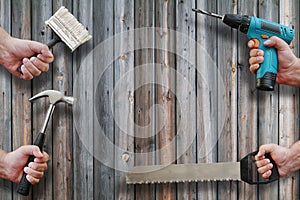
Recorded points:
(54,97)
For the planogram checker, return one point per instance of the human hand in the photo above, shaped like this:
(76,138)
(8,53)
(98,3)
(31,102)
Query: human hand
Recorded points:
(15,161)
(15,53)
(279,154)
(288,64)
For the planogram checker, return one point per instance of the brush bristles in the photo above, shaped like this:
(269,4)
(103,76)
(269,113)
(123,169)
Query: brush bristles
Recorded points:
(68,28)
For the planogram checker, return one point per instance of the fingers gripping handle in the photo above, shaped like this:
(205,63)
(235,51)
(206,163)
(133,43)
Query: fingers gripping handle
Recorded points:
(50,44)
(24,185)
(249,171)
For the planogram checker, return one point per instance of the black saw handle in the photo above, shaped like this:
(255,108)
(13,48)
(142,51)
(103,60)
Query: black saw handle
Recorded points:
(249,172)
(24,185)
(50,44)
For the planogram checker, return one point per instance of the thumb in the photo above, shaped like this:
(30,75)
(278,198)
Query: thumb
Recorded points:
(277,43)
(31,150)
(267,148)
(37,47)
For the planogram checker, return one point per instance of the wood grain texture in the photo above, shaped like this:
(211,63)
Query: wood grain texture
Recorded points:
(247,102)
(207,94)
(83,148)
(104,173)
(144,111)
(62,119)
(288,106)
(41,11)
(5,102)
(186,111)
(227,97)
(268,104)
(21,91)
(165,76)
(201,105)
(123,96)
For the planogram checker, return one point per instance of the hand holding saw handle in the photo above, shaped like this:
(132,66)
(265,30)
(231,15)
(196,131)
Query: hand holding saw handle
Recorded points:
(245,170)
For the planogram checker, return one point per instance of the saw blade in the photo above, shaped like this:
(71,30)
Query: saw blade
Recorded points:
(175,173)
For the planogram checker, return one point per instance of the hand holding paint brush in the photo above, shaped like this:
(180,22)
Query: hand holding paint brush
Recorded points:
(15,52)
(66,28)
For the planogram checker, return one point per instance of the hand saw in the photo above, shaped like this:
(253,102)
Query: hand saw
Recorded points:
(245,170)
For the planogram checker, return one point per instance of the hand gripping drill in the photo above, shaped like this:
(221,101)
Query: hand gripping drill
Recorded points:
(259,30)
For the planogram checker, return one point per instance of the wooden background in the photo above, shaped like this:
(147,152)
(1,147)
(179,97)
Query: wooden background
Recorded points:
(215,115)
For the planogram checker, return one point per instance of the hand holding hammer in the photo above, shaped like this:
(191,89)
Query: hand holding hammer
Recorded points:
(54,97)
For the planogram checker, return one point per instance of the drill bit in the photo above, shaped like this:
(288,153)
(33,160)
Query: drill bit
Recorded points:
(207,13)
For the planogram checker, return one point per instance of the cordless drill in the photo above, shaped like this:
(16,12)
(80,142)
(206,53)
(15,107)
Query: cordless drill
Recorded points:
(259,30)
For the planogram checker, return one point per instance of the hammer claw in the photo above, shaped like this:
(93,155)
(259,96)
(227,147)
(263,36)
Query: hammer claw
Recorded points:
(54,97)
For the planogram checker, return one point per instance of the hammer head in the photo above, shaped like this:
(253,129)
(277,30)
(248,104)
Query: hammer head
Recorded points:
(54,97)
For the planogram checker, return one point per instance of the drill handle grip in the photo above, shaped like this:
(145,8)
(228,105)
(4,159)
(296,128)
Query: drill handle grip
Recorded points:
(266,73)
(24,186)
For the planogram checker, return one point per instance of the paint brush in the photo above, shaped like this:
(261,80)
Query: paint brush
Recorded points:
(67,29)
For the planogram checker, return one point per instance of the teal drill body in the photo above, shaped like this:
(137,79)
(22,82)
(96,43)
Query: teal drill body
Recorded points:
(259,30)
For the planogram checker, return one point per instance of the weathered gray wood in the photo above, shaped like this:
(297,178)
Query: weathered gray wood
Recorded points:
(144,93)
(207,93)
(268,104)
(227,95)
(41,11)
(62,120)
(165,76)
(83,145)
(231,118)
(246,102)
(288,103)
(103,83)
(21,117)
(123,95)
(5,101)
(186,92)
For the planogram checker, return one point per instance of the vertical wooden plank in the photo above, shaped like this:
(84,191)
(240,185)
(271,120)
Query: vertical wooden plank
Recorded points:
(124,95)
(288,102)
(21,91)
(104,184)
(144,93)
(268,105)
(62,120)
(227,65)
(41,11)
(185,92)
(5,101)
(83,158)
(247,101)
(207,94)
(165,96)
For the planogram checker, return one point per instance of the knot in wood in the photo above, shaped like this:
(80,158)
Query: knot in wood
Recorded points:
(125,157)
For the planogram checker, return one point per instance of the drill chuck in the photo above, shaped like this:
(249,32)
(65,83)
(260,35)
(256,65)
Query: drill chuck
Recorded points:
(240,22)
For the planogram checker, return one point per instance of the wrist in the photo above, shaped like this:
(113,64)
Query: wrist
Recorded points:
(5,39)
(295,75)
(291,75)
(3,165)
(293,156)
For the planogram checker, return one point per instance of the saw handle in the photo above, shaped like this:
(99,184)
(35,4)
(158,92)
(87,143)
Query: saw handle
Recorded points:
(249,172)
(50,44)
(24,185)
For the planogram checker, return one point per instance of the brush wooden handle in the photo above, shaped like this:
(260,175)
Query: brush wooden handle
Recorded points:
(24,185)
(50,44)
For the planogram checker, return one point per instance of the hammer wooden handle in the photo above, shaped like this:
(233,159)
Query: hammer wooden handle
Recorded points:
(24,186)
